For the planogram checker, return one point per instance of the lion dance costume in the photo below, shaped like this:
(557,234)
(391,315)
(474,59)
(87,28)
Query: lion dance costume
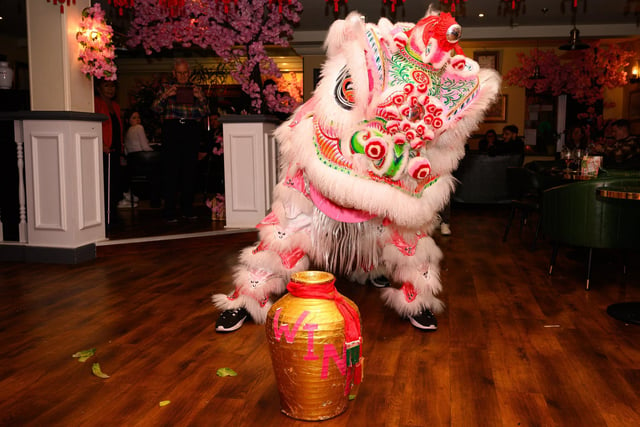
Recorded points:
(366,166)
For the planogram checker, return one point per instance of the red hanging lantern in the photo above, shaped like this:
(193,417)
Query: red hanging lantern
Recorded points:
(393,4)
(121,4)
(514,3)
(227,3)
(62,3)
(336,4)
(454,3)
(176,7)
(280,2)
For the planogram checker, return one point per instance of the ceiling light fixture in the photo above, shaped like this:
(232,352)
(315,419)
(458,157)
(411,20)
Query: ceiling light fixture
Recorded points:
(574,41)
(574,34)
(537,75)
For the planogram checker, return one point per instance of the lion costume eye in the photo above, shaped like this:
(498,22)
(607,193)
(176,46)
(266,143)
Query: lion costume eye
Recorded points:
(454,33)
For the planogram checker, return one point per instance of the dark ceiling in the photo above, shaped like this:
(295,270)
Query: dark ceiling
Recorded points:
(533,18)
(498,13)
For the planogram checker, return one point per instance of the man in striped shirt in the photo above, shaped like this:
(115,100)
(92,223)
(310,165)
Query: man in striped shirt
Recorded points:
(182,106)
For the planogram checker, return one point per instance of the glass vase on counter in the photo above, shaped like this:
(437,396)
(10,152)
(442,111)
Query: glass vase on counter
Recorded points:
(6,74)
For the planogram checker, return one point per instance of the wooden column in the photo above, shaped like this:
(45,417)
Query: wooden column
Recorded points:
(55,80)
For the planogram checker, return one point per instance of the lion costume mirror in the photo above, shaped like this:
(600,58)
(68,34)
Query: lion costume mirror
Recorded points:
(366,166)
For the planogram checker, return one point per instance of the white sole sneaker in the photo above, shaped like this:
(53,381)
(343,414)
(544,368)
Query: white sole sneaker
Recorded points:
(380,282)
(231,320)
(423,327)
(425,320)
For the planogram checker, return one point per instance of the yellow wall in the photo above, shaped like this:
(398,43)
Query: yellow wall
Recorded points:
(515,95)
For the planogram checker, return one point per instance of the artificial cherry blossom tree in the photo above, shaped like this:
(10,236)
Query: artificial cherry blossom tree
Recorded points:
(583,75)
(239,34)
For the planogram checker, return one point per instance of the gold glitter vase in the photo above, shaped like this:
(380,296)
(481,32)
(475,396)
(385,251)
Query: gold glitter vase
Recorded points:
(306,339)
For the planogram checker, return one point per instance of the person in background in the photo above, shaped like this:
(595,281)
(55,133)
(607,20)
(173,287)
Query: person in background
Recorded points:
(445,220)
(135,139)
(182,106)
(112,153)
(488,142)
(576,138)
(624,152)
(141,159)
(510,144)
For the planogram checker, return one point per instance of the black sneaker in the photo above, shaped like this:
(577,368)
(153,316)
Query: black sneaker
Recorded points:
(231,320)
(425,320)
(380,282)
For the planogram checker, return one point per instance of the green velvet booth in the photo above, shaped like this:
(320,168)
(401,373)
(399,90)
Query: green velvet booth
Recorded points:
(483,178)
(573,214)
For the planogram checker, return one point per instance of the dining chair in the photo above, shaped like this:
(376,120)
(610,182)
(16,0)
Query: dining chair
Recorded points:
(526,193)
(143,167)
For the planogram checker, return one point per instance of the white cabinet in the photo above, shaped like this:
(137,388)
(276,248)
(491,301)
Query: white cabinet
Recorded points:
(250,168)
(61,194)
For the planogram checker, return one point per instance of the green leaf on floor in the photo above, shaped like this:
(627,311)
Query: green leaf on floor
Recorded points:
(226,372)
(164,403)
(83,355)
(95,369)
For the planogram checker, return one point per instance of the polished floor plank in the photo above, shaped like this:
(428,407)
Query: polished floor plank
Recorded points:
(515,346)
(145,221)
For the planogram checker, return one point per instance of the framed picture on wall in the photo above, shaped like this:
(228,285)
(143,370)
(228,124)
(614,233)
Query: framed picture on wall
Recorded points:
(488,59)
(316,77)
(498,111)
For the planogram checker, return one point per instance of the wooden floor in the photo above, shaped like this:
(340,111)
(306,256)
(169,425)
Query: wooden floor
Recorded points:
(515,347)
(145,221)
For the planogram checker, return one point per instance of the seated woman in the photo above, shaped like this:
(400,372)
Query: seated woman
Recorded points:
(576,138)
(136,139)
(141,158)
(489,141)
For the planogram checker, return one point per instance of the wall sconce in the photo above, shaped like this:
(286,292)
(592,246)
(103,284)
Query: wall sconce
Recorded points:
(96,52)
(635,73)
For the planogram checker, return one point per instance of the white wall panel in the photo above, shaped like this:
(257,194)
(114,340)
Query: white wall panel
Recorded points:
(250,171)
(48,190)
(90,187)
